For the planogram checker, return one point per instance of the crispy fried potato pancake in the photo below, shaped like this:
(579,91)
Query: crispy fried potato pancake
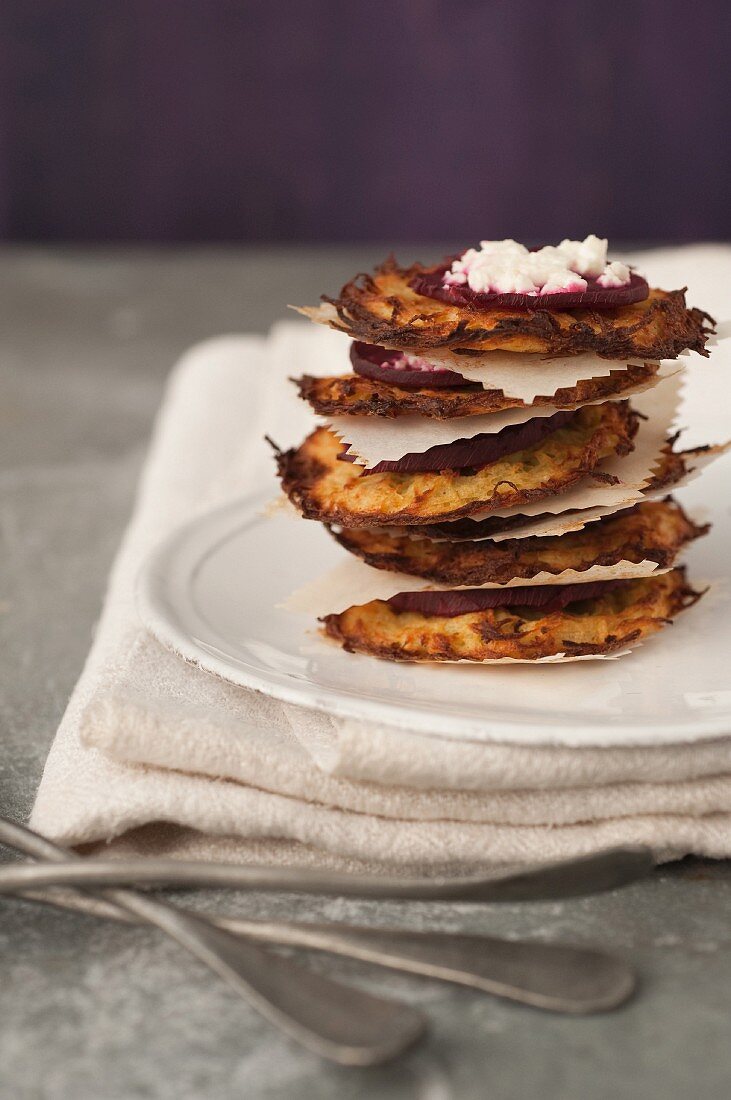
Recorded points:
(674,466)
(651,531)
(324,488)
(351,394)
(383,309)
(632,611)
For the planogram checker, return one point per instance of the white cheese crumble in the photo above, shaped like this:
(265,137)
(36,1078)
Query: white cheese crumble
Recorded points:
(506,267)
(404,361)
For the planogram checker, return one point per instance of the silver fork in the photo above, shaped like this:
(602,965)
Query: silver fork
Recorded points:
(554,977)
(549,976)
(335,1021)
(591,874)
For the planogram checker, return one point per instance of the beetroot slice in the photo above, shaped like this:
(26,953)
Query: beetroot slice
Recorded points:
(467,530)
(545,597)
(594,297)
(376,363)
(478,451)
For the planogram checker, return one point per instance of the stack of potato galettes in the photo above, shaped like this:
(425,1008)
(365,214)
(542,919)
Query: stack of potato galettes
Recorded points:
(497,457)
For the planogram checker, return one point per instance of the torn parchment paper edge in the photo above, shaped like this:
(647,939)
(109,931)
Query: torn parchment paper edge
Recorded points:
(520,384)
(633,471)
(352,583)
(523,377)
(373,439)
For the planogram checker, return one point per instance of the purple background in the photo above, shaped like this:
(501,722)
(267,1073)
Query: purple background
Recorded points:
(329,120)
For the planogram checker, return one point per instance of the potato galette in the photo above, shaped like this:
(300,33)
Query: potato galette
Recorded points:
(650,531)
(628,613)
(384,309)
(325,488)
(353,395)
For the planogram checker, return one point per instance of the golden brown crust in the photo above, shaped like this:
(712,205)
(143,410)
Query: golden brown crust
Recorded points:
(383,309)
(336,492)
(651,531)
(353,395)
(632,611)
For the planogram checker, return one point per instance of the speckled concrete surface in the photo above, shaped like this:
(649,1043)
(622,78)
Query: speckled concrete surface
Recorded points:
(90,1010)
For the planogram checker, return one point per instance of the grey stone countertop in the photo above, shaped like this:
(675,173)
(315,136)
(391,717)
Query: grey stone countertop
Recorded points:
(92,1010)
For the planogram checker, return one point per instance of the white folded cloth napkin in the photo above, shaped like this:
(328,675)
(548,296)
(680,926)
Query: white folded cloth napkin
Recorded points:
(154,755)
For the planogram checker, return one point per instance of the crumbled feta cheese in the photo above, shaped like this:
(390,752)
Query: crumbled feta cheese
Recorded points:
(403,361)
(615,274)
(506,267)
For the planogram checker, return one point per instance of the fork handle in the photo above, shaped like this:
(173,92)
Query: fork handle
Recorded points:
(335,1021)
(553,977)
(605,870)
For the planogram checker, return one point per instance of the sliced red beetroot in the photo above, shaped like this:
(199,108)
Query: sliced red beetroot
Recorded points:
(381,365)
(467,530)
(478,451)
(595,296)
(545,597)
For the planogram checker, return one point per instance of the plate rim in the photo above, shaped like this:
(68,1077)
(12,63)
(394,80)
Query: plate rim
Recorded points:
(158,617)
